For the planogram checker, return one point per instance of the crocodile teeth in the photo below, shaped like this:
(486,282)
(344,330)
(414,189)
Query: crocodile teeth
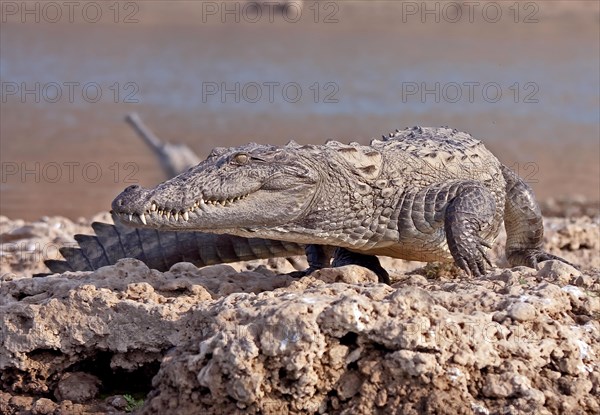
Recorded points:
(143,219)
(130,217)
(176,216)
(168,214)
(153,207)
(186,216)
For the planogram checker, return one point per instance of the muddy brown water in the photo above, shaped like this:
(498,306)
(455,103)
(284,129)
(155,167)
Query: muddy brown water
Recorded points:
(527,85)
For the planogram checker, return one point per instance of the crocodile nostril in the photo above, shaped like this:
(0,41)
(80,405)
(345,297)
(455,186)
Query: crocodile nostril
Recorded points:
(120,202)
(132,187)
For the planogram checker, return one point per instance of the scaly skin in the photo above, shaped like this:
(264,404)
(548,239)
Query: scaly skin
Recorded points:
(426,194)
(162,249)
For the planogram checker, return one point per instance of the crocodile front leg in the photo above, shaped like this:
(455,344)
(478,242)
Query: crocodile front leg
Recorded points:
(467,214)
(524,224)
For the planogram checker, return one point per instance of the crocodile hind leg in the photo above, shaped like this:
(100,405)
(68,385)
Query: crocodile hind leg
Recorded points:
(343,257)
(524,224)
(318,257)
(467,214)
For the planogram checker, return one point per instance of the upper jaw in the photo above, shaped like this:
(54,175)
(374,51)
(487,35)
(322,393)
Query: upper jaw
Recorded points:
(155,213)
(168,206)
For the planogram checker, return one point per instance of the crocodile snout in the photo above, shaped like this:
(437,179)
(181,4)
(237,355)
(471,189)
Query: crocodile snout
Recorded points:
(130,200)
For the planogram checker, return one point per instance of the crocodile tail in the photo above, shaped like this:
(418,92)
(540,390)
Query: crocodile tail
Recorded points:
(162,249)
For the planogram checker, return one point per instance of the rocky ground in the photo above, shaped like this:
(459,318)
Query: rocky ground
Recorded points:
(243,338)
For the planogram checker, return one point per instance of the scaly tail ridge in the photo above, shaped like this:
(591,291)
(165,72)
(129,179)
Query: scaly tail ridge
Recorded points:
(162,249)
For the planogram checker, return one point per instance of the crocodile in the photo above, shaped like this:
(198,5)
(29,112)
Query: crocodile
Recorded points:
(424,194)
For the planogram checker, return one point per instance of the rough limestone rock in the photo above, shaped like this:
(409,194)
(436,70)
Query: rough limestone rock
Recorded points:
(242,338)
(77,387)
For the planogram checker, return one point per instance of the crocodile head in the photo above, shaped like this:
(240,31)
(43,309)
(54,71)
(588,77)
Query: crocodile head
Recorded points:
(245,187)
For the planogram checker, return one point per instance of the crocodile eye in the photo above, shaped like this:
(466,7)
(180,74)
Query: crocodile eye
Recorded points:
(241,158)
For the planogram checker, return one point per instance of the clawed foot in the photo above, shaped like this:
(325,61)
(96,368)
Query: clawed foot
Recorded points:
(345,257)
(471,257)
(467,248)
(300,274)
(467,215)
(532,257)
(381,273)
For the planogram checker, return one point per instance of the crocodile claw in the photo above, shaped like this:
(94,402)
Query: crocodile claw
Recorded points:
(532,257)
(473,260)
(469,253)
